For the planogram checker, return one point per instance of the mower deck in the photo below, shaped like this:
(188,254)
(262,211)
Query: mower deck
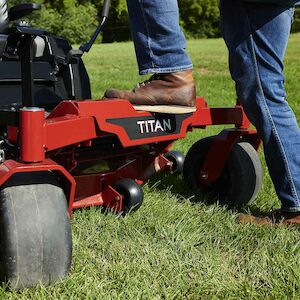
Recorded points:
(93,144)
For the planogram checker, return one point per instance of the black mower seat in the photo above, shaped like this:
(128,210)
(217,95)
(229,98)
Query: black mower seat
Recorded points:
(15,13)
(22,10)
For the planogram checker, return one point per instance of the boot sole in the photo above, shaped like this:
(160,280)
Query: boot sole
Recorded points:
(165,109)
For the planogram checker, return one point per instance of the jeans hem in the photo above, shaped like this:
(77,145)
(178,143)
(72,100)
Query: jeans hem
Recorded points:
(165,70)
(290,209)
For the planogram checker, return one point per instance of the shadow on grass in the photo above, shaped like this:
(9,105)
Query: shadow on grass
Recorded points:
(175,183)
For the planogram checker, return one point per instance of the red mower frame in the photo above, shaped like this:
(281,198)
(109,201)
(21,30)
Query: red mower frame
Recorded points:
(65,139)
(91,145)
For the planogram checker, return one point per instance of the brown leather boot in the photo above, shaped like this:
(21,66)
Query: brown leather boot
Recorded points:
(275,217)
(176,88)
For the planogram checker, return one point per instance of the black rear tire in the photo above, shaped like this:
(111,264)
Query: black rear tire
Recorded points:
(240,180)
(35,234)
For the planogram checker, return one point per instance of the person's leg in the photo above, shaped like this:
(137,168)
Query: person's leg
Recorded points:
(158,39)
(160,49)
(256,36)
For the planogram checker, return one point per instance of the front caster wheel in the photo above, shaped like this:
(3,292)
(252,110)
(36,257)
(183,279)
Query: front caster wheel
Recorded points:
(177,158)
(240,180)
(132,194)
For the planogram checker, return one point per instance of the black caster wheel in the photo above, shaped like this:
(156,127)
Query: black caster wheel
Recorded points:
(240,180)
(35,231)
(132,194)
(177,158)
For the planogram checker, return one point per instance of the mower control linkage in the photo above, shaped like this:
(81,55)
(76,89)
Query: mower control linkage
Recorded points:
(105,11)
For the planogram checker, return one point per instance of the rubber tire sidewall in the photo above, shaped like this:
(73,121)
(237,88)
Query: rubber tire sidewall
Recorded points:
(240,180)
(36,239)
(132,194)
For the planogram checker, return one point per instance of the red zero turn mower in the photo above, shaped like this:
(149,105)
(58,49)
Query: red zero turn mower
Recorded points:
(58,155)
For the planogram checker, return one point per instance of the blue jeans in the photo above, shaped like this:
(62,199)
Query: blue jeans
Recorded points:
(159,42)
(256,36)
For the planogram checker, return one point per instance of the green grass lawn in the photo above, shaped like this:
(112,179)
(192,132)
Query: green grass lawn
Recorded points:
(174,248)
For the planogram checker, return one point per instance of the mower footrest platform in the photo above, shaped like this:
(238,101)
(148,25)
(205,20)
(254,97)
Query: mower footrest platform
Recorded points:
(166,109)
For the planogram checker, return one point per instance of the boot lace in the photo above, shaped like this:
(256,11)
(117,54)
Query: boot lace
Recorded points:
(148,81)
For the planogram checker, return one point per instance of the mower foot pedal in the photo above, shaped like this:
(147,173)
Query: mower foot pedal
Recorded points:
(166,109)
